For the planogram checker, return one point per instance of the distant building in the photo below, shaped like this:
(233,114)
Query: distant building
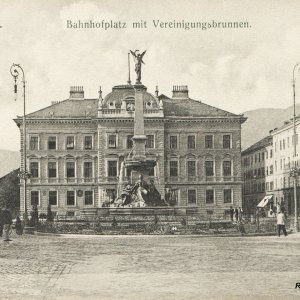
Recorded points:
(267,167)
(76,148)
(258,171)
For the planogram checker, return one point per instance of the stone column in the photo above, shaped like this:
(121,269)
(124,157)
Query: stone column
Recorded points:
(139,138)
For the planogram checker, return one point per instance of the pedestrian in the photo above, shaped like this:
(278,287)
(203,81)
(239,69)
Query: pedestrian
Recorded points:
(281,223)
(19,227)
(1,222)
(236,212)
(240,214)
(231,213)
(7,221)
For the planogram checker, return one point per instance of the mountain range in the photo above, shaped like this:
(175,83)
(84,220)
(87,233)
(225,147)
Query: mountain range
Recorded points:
(261,121)
(9,160)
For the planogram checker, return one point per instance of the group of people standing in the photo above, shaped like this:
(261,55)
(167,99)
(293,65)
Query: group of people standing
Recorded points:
(237,213)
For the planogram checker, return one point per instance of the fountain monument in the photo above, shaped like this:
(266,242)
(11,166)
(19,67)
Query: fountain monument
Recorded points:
(138,192)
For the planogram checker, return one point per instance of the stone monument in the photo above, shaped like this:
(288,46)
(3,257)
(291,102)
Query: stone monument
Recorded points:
(138,192)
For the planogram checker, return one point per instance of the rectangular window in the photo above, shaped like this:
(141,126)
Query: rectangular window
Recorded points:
(208,141)
(70,198)
(35,199)
(52,142)
(271,169)
(34,169)
(191,142)
(70,169)
(191,167)
(88,142)
(209,196)
(263,156)
(271,185)
(150,141)
(112,168)
(293,139)
(111,194)
(226,141)
(151,171)
(34,143)
(191,196)
(53,197)
(174,168)
(88,169)
(51,169)
(227,196)
(88,197)
(129,142)
(226,168)
(70,143)
(173,142)
(209,168)
(112,141)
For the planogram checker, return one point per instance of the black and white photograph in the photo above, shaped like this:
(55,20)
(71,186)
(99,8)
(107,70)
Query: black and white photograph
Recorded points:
(149,149)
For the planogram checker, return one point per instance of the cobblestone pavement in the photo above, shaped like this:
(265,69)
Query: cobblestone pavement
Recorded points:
(149,267)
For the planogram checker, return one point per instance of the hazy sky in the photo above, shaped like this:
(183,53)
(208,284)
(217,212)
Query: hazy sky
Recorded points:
(234,69)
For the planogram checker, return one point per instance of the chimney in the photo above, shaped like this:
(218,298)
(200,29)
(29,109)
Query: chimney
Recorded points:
(180,91)
(76,93)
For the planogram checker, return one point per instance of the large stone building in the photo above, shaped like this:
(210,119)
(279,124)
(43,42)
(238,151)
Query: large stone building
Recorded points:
(75,150)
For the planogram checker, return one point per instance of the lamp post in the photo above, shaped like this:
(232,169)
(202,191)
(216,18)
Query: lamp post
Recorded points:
(15,71)
(256,202)
(295,172)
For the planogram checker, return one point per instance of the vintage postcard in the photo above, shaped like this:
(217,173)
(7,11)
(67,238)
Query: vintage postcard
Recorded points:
(149,149)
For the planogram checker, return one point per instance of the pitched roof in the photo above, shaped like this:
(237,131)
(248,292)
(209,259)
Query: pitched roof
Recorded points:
(68,109)
(71,108)
(266,141)
(192,108)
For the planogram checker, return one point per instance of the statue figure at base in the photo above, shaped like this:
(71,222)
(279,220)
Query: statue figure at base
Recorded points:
(139,195)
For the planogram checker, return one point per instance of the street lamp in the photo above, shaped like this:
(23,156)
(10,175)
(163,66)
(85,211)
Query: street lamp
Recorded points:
(15,70)
(256,203)
(294,171)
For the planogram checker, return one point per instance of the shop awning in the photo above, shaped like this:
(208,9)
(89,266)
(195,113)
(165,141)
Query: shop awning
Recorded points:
(265,201)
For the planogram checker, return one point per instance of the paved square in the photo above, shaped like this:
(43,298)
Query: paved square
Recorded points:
(149,267)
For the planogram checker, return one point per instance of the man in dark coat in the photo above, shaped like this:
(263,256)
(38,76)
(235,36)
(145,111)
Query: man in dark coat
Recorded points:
(231,213)
(7,222)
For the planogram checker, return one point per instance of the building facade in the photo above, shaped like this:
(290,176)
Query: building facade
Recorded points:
(267,169)
(284,162)
(76,149)
(257,165)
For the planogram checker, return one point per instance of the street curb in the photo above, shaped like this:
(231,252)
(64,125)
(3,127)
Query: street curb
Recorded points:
(178,235)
